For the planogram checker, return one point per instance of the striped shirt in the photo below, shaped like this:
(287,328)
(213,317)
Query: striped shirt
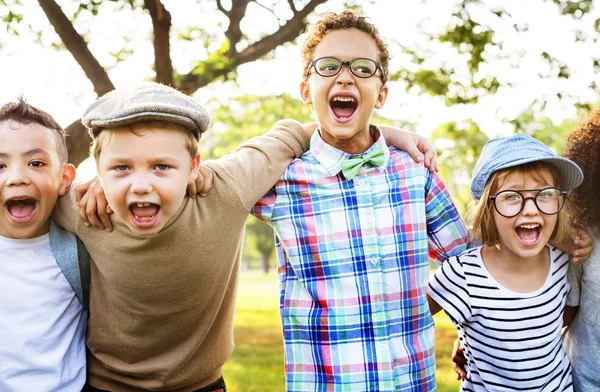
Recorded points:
(512,341)
(353,268)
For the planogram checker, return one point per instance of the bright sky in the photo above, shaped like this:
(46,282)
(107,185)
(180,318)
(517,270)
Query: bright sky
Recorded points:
(54,82)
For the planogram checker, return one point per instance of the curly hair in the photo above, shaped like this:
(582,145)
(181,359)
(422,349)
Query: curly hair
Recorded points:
(345,20)
(583,148)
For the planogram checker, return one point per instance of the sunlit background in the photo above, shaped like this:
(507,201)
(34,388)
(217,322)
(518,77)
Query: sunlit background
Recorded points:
(462,71)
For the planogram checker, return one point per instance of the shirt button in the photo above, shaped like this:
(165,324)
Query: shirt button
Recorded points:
(361,182)
(383,347)
(374,261)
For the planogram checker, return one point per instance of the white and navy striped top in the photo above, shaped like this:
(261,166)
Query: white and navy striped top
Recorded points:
(511,340)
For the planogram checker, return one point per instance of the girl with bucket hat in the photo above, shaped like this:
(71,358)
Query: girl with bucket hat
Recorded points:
(506,297)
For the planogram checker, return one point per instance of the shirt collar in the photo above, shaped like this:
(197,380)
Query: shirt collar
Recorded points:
(331,158)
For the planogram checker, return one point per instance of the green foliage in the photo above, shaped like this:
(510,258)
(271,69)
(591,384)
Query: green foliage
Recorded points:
(469,37)
(543,129)
(241,118)
(10,15)
(459,147)
(576,9)
(259,236)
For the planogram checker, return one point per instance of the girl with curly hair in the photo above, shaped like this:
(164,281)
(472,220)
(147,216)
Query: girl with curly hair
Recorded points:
(582,340)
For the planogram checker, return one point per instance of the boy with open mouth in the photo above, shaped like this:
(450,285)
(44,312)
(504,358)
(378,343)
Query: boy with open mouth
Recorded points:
(44,270)
(164,281)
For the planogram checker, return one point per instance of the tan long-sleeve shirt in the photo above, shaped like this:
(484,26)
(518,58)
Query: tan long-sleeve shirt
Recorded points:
(161,310)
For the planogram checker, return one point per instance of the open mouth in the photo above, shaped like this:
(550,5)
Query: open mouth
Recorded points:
(21,209)
(529,234)
(144,214)
(343,107)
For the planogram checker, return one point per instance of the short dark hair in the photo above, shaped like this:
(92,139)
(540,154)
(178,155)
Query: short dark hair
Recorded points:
(23,113)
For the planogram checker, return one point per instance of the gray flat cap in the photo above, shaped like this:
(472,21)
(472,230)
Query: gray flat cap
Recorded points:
(145,102)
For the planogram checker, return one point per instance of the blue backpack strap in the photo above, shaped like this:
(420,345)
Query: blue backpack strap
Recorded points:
(84,272)
(73,260)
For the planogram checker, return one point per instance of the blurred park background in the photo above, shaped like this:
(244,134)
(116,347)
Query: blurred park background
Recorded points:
(461,72)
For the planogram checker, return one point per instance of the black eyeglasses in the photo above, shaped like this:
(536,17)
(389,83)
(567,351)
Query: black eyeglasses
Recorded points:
(330,66)
(510,203)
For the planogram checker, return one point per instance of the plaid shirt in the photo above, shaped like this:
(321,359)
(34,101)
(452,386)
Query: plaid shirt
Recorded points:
(353,268)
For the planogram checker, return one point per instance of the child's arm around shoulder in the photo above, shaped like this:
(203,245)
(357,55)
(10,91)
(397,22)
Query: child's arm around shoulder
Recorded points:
(256,165)
(417,146)
(65,210)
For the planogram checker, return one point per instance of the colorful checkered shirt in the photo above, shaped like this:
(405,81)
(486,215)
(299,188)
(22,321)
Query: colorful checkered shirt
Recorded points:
(353,267)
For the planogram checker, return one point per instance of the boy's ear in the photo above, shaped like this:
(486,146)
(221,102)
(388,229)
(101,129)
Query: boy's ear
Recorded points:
(194,171)
(383,92)
(305,92)
(67,177)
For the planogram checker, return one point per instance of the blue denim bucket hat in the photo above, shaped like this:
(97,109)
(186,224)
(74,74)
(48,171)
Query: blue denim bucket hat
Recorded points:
(504,152)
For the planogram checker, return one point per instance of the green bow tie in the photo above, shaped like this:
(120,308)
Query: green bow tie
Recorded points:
(352,165)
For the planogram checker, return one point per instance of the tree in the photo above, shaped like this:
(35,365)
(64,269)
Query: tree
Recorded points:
(461,58)
(218,57)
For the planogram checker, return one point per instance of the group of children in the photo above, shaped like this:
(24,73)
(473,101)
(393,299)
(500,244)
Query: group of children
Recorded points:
(356,219)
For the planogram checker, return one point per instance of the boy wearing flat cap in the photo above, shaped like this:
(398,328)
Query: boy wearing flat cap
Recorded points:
(163,285)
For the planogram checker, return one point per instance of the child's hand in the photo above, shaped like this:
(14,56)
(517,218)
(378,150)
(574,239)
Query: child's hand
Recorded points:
(578,243)
(203,182)
(459,360)
(419,147)
(93,206)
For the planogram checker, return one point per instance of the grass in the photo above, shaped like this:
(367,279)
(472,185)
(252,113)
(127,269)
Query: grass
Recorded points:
(257,361)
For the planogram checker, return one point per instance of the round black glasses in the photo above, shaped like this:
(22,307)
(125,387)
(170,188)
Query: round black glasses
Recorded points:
(510,203)
(331,66)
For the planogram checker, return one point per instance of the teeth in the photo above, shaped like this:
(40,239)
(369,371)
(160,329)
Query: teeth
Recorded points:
(530,226)
(144,218)
(344,99)
(143,204)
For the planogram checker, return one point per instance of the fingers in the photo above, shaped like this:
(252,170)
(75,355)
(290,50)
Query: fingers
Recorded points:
(93,206)
(413,148)
(91,209)
(82,208)
(460,372)
(81,191)
(207,176)
(582,245)
(581,254)
(459,361)
(103,213)
(430,153)
(192,189)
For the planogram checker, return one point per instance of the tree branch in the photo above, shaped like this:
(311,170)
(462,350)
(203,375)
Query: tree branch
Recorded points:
(234,32)
(221,8)
(286,33)
(77,46)
(161,23)
(292,6)
(78,142)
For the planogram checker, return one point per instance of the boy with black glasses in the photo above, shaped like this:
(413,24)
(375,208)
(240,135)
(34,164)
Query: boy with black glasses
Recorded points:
(355,222)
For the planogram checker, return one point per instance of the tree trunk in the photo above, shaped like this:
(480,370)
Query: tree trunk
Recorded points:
(265,260)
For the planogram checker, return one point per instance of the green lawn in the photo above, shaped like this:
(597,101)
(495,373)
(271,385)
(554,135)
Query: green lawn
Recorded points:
(257,361)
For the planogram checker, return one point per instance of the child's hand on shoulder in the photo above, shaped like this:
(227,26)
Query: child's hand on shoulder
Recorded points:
(417,146)
(94,209)
(582,244)
(203,182)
